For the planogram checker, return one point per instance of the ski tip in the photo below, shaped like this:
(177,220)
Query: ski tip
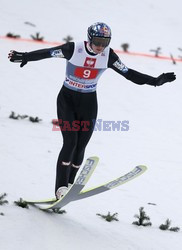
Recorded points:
(144,168)
(96,158)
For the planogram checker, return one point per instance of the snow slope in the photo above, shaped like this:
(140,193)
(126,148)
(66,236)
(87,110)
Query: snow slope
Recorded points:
(28,151)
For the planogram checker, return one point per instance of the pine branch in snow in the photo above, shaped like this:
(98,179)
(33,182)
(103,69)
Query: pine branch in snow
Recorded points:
(172,58)
(125,47)
(166,226)
(2,199)
(174,229)
(156,51)
(17,117)
(109,217)
(11,35)
(59,211)
(151,203)
(68,39)
(37,37)
(34,119)
(142,217)
(21,203)
(29,23)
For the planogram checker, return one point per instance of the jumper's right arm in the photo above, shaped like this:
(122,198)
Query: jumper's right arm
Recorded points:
(62,51)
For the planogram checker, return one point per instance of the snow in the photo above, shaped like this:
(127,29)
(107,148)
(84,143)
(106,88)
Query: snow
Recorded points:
(29,151)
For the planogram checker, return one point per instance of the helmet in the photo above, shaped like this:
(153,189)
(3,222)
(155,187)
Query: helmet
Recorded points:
(99,34)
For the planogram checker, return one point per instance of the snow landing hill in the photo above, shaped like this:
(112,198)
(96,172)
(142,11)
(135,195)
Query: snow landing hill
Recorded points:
(28,151)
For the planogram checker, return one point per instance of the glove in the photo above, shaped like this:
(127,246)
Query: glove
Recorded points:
(19,57)
(165,77)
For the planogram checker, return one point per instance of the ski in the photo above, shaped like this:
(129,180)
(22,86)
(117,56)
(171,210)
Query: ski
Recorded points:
(137,171)
(81,181)
(46,201)
(76,193)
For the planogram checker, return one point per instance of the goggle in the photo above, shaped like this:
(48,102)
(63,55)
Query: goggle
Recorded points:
(101,41)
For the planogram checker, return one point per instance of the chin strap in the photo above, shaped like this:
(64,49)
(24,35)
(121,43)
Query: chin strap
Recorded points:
(90,48)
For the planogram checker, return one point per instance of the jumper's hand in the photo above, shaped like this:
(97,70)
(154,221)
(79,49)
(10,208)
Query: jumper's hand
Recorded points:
(18,57)
(165,77)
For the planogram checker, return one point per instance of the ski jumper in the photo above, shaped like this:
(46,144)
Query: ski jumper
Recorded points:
(77,100)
